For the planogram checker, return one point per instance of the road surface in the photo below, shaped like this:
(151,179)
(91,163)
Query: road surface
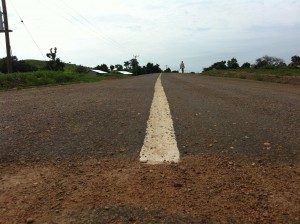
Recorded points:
(71,154)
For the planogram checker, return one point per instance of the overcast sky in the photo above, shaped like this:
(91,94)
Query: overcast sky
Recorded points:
(199,32)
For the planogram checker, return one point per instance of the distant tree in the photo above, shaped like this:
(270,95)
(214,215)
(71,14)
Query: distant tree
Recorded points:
(221,65)
(127,64)
(175,71)
(295,61)
(168,70)
(112,67)
(18,66)
(246,65)
(269,62)
(102,67)
(233,64)
(81,69)
(119,67)
(151,68)
(134,66)
(55,63)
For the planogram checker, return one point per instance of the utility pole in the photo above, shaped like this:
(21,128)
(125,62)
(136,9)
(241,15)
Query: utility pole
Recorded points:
(136,65)
(5,29)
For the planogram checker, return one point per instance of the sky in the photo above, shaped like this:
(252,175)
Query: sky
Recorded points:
(199,32)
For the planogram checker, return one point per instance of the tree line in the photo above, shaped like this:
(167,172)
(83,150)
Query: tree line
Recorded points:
(134,67)
(55,64)
(267,62)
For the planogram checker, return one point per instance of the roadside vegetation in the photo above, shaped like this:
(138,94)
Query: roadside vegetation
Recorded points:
(264,69)
(28,73)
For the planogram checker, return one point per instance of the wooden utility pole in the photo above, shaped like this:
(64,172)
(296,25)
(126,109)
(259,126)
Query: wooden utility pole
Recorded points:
(6,31)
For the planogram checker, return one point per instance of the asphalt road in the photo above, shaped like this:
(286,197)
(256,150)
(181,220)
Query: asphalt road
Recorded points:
(70,154)
(210,115)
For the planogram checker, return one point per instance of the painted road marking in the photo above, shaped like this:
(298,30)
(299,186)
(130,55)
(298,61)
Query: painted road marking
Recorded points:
(160,143)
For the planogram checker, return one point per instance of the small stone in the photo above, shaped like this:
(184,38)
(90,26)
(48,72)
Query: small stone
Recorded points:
(29,220)
(177,185)
(267,144)
(131,219)
(231,163)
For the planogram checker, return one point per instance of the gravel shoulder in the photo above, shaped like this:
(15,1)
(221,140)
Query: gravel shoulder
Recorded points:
(200,189)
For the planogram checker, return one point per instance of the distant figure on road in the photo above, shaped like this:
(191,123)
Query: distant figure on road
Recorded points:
(182,67)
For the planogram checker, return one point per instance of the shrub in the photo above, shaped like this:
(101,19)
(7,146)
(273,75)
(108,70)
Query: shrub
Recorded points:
(269,62)
(102,67)
(55,64)
(246,65)
(17,66)
(81,69)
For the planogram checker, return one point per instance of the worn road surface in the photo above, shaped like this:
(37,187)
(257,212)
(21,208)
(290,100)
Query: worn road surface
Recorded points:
(71,154)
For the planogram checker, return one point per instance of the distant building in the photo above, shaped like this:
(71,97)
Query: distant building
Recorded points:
(99,71)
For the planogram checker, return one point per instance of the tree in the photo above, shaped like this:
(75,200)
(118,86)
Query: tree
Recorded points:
(151,68)
(233,64)
(127,64)
(55,63)
(221,65)
(18,66)
(112,67)
(246,65)
(168,70)
(102,67)
(295,61)
(269,62)
(134,66)
(119,67)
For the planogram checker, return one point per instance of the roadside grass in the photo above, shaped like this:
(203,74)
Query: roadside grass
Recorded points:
(280,75)
(40,78)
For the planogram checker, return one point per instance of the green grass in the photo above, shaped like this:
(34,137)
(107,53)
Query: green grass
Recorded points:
(39,78)
(40,65)
(282,75)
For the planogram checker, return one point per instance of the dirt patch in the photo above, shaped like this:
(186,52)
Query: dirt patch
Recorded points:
(199,189)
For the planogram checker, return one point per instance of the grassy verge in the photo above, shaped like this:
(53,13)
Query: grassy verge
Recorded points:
(39,78)
(279,75)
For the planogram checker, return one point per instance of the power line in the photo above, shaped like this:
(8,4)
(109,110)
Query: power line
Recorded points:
(98,35)
(27,30)
(91,24)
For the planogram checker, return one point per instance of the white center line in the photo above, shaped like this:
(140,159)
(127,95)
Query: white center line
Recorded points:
(160,143)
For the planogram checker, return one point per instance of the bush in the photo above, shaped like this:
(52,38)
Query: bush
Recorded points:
(81,69)
(246,65)
(269,62)
(17,66)
(102,67)
(218,66)
(55,65)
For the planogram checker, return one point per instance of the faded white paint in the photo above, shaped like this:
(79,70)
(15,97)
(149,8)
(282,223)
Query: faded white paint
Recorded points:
(160,143)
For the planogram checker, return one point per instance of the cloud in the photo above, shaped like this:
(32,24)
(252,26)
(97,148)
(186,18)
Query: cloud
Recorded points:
(201,31)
